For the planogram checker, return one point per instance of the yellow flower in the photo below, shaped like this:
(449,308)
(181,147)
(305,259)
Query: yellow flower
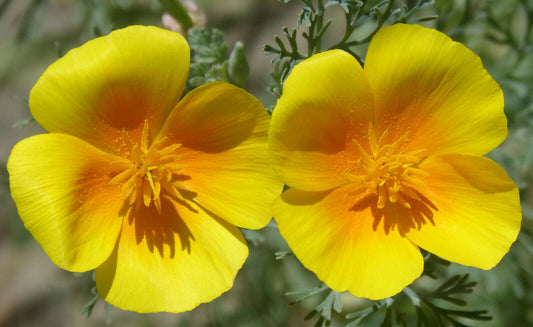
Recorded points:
(386,159)
(145,188)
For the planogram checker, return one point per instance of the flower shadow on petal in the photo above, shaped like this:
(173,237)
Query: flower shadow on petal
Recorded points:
(159,230)
(394,215)
(216,139)
(213,119)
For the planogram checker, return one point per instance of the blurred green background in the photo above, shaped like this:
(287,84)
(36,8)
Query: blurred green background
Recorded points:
(33,33)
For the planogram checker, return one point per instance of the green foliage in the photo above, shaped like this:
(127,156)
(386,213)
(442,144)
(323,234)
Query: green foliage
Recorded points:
(209,57)
(210,60)
(429,313)
(378,306)
(414,305)
(312,21)
(325,309)
(87,309)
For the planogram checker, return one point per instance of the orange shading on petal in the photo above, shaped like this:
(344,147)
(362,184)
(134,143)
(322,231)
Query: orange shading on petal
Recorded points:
(347,241)
(326,103)
(113,83)
(436,90)
(61,187)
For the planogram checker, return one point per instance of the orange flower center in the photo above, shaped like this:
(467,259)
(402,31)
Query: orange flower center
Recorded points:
(388,172)
(147,170)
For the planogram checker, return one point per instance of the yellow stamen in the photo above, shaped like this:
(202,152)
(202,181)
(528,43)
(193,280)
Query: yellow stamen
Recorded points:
(147,169)
(393,175)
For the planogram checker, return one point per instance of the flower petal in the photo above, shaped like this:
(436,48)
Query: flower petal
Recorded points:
(171,261)
(223,132)
(478,211)
(113,83)
(436,89)
(346,243)
(326,103)
(60,185)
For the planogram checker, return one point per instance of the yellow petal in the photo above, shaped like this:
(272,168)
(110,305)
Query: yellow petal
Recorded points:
(326,103)
(171,262)
(223,132)
(113,83)
(346,243)
(478,211)
(436,89)
(60,185)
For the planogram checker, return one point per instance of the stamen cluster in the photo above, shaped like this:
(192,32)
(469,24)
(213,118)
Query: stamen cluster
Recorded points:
(388,172)
(147,170)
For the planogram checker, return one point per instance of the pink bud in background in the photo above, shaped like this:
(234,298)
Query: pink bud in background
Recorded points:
(198,16)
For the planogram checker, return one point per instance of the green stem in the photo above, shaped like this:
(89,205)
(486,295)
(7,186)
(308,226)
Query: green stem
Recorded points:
(415,299)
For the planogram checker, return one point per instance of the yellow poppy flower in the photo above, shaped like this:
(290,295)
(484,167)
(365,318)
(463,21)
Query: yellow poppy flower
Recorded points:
(145,188)
(385,159)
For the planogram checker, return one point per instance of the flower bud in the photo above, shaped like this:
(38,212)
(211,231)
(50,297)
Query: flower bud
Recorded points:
(238,68)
